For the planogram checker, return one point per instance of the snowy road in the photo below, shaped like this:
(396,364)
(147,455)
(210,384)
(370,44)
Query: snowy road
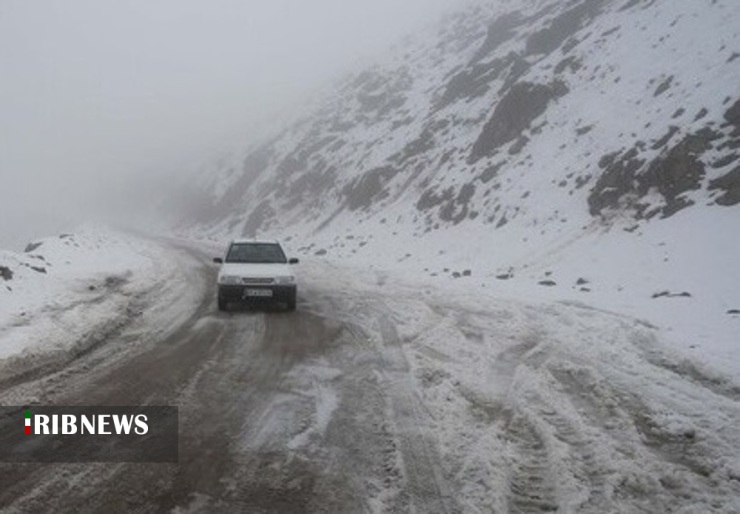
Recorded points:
(376,397)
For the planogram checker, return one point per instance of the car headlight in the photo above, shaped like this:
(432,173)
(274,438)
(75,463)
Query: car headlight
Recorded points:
(285,280)
(229,280)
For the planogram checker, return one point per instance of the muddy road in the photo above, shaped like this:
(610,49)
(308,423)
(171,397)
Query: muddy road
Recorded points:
(360,402)
(279,412)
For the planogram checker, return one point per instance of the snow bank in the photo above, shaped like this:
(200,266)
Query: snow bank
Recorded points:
(67,294)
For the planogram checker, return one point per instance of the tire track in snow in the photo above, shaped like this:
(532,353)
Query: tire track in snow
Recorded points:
(531,486)
(418,448)
(595,419)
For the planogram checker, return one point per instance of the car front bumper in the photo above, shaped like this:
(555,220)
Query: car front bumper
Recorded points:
(240,293)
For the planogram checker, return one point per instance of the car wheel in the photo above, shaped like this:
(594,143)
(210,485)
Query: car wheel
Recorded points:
(223,305)
(291,303)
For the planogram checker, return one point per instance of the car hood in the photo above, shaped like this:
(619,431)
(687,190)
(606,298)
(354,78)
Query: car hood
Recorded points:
(255,270)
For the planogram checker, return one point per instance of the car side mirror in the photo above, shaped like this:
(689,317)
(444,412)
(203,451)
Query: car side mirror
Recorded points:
(293,261)
(218,260)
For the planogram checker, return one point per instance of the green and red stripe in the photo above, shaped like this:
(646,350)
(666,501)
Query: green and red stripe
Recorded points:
(28,422)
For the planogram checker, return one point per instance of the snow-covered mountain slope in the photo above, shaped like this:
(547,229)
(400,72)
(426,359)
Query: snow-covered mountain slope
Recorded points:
(583,150)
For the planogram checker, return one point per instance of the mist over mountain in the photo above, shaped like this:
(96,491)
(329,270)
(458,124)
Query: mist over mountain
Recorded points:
(554,150)
(509,116)
(96,96)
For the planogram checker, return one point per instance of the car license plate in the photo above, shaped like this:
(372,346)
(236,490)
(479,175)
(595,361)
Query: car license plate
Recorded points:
(258,293)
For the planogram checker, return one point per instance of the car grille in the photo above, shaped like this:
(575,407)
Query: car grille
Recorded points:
(258,280)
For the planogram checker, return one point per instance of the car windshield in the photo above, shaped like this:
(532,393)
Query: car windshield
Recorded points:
(256,253)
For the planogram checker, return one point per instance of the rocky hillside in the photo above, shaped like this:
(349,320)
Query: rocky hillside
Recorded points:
(586,147)
(512,115)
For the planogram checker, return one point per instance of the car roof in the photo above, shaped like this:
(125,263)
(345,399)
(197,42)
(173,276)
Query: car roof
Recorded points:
(255,241)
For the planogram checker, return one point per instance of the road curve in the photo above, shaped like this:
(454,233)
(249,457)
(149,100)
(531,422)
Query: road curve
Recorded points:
(387,399)
(279,412)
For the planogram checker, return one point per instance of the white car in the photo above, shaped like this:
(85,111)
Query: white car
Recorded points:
(256,271)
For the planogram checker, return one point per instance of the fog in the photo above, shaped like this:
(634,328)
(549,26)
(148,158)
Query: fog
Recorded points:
(97,95)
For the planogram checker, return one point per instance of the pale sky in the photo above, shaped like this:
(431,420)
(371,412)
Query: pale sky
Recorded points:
(95,92)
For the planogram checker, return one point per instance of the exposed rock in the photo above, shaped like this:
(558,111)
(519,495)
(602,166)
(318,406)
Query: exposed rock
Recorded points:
(571,63)
(420,145)
(456,210)
(729,184)
(514,114)
(679,171)
(547,283)
(617,180)
(672,174)
(469,84)
(369,188)
(664,86)
(668,294)
(570,45)
(30,247)
(430,199)
(630,4)
(491,172)
(312,186)
(732,116)
(292,164)
(519,145)
(258,218)
(500,31)
(660,143)
(725,160)
(518,67)
(6,273)
(476,80)
(699,115)
(611,31)
(562,27)
(582,181)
